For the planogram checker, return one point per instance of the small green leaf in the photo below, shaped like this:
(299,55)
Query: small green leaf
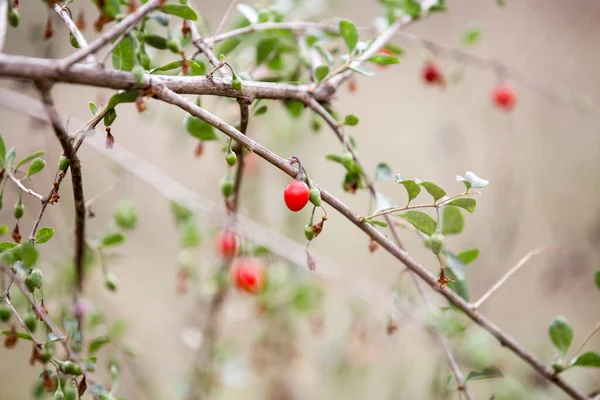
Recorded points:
(423,222)
(197,68)
(294,107)
(383,202)
(265,48)
(110,117)
(43,235)
(588,359)
(471,35)
(384,59)
(227,46)
(158,42)
(2,151)
(53,337)
(334,158)
(349,33)
(468,256)
(6,246)
(122,97)
(485,374)
(434,190)
(199,129)
(180,10)
(261,110)
(35,166)
(394,49)
(112,7)
(597,278)
(321,72)
(20,335)
(378,223)
(180,212)
(412,188)
(351,120)
(453,221)
(457,286)
(113,238)
(467,204)
(383,172)
(561,335)
(456,266)
(29,158)
(168,67)
(93,107)
(3,229)
(97,344)
(122,55)
(29,254)
(411,7)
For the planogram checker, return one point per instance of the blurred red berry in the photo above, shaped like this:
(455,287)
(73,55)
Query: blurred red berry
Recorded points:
(504,96)
(432,75)
(227,244)
(296,195)
(248,275)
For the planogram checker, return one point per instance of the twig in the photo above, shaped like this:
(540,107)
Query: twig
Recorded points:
(11,279)
(511,271)
(20,319)
(205,49)
(76,179)
(239,174)
(23,187)
(3,22)
(434,205)
(282,164)
(120,28)
(64,15)
(590,335)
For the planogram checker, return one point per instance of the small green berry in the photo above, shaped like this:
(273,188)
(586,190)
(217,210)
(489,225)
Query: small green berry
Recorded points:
(13,17)
(347,159)
(145,61)
(18,210)
(37,278)
(227,186)
(125,215)
(437,242)
(231,158)
(315,196)
(63,163)
(58,395)
(138,73)
(5,312)
(70,368)
(308,232)
(30,321)
(29,284)
(110,282)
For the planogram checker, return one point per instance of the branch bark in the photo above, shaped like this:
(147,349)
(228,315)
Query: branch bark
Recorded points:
(64,15)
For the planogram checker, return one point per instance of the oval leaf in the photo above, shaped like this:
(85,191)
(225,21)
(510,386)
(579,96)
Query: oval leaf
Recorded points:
(351,120)
(485,374)
(434,190)
(456,266)
(412,188)
(180,10)
(6,246)
(467,204)
(321,72)
(97,344)
(453,221)
(349,33)
(561,335)
(199,129)
(423,222)
(122,55)
(589,359)
(20,335)
(598,279)
(112,239)
(43,235)
(384,59)
(468,256)
(35,166)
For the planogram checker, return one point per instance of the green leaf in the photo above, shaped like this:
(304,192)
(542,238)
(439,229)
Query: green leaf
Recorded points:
(6,246)
(168,67)
(453,221)
(122,55)
(468,256)
(457,286)
(227,46)
(29,254)
(321,72)
(261,110)
(199,129)
(456,266)
(265,48)
(180,10)
(412,188)
(394,49)
(3,229)
(411,7)
(378,223)
(2,152)
(334,157)
(588,359)
(383,172)
(35,166)
(434,190)
(597,277)
(485,374)
(423,222)
(383,202)
(10,156)
(307,298)
(20,335)
(180,212)
(93,107)
(189,234)
(384,59)
(97,344)
(122,97)
(467,204)
(471,35)
(52,337)
(561,335)
(29,158)
(294,107)
(349,33)
(43,235)
(112,7)
(158,42)
(113,238)
(197,68)
(351,120)
(248,12)
(110,117)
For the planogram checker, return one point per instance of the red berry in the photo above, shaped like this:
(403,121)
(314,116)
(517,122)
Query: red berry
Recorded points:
(504,96)
(296,195)
(227,244)
(248,275)
(432,75)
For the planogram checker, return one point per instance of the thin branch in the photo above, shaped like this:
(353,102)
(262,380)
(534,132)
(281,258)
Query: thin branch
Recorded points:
(434,205)
(3,22)
(25,189)
(11,279)
(76,179)
(239,174)
(205,49)
(511,272)
(117,30)
(20,319)
(64,15)
(359,221)
(590,335)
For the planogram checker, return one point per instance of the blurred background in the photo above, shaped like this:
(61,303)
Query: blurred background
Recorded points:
(541,160)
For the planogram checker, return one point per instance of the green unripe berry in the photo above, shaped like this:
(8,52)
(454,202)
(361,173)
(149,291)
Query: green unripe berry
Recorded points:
(46,356)
(309,234)
(70,368)
(30,321)
(73,41)
(172,45)
(227,186)
(125,215)
(5,312)
(138,73)
(29,284)
(58,395)
(110,282)
(231,158)
(347,159)
(63,163)
(236,83)
(69,392)
(315,196)
(18,210)
(145,61)
(37,278)
(437,242)
(13,17)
